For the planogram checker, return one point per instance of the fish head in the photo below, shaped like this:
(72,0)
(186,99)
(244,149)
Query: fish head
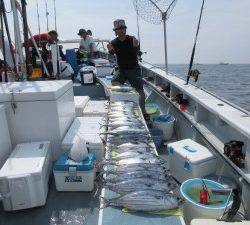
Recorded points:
(172,185)
(180,200)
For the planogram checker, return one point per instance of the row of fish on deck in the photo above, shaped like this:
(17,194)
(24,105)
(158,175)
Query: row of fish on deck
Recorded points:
(131,168)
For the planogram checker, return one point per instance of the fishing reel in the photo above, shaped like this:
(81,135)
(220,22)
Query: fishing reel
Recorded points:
(233,150)
(194,74)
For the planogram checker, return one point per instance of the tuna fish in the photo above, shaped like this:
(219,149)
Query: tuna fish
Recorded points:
(138,167)
(147,174)
(140,184)
(133,154)
(135,160)
(126,130)
(145,201)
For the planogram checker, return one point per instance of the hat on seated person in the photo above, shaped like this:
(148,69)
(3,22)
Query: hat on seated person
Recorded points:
(82,31)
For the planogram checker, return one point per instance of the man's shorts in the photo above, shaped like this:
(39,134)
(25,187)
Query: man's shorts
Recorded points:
(133,76)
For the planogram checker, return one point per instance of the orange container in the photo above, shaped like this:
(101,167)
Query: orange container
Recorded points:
(36,73)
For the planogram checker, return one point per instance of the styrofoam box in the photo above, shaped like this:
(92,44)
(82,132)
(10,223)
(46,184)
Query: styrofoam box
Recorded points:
(114,96)
(188,159)
(103,67)
(80,103)
(88,128)
(74,176)
(44,110)
(216,222)
(95,108)
(25,175)
(5,143)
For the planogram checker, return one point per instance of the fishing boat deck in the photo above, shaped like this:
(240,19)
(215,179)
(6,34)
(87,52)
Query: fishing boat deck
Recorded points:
(110,215)
(62,208)
(81,208)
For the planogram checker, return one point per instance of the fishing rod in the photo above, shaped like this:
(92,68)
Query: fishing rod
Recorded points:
(195,73)
(47,15)
(5,20)
(4,52)
(26,37)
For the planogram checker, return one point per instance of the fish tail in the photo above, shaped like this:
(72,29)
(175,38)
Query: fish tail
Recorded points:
(104,203)
(103,125)
(100,175)
(103,139)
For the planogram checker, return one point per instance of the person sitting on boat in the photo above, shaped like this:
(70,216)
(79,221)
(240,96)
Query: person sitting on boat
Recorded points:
(42,40)
(87,44)
(89,33)
(126,49)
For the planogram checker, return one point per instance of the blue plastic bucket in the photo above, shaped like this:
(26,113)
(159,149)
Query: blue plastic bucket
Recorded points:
(157,136)
(164,123)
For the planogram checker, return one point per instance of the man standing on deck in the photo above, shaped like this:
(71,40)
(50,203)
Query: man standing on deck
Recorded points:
(126,49)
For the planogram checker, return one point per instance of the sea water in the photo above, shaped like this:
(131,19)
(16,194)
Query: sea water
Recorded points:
(231,82)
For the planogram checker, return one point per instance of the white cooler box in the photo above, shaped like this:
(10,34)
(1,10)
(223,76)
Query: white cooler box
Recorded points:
(80,103)
(44,111)
(216,222)
(103,67)
(74,176)
(188,159)
(123,96)
(25,175)
(87,75)
(96,108)
(87,128)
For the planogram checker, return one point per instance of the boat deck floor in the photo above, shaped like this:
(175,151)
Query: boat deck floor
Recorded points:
(71,208)
(95,92)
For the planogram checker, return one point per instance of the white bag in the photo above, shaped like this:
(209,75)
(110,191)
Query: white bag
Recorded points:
(66,69)
(79,151)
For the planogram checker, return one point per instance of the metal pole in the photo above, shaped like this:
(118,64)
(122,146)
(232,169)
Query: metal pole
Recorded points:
(137,19)
(165,44)
(18,41)
(8,34)
(38,17)
(55,15)
(47,15)
(4,52)
(36,47)
(26,37)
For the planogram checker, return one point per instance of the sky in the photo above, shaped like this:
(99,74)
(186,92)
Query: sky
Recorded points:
(224,34)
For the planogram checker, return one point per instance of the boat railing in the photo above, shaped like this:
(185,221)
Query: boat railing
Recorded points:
(216,119)
(202,88)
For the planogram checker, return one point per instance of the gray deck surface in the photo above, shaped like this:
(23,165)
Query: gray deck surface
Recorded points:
(79,208)
(62,208)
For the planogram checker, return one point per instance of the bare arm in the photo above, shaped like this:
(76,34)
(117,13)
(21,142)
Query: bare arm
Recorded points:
(110,48)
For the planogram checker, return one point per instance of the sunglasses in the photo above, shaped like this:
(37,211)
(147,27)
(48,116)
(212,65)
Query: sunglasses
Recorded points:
(119,28)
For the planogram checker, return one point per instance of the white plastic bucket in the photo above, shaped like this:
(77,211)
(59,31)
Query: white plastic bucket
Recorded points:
(166,127)
(245,198)
(194,209)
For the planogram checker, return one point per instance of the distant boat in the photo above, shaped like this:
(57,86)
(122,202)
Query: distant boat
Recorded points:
(223,63)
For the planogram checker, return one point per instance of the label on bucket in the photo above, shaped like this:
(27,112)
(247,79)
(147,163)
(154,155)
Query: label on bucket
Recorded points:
(75,179)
